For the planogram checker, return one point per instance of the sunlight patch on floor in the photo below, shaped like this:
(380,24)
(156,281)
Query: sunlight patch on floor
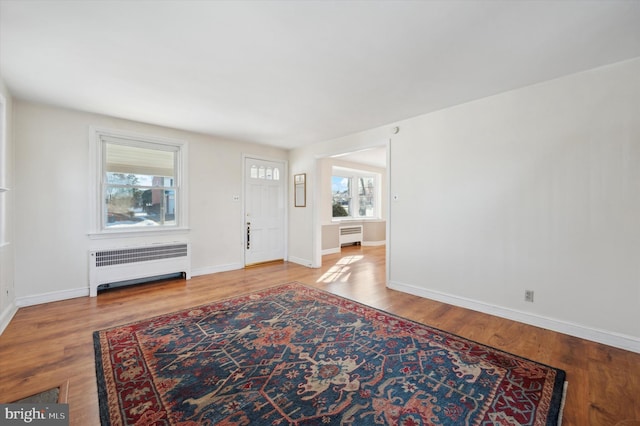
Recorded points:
(339,272)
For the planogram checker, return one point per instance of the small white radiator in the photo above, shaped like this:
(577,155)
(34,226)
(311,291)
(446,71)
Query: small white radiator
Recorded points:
(132,263)
(350,234)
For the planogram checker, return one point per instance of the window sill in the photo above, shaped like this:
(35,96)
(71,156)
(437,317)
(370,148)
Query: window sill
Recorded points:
(130,233)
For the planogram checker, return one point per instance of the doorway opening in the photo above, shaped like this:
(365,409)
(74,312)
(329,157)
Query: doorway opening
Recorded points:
(351,200)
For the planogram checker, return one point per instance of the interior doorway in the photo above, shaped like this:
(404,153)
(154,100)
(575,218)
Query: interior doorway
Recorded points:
(326,226)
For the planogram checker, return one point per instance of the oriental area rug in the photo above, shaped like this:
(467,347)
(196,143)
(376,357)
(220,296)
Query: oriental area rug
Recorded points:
(296,355)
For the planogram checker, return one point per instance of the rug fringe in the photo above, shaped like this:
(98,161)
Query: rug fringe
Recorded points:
(564,397)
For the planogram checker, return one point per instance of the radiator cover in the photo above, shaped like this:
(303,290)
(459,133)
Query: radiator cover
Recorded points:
(350,234)
(131,263)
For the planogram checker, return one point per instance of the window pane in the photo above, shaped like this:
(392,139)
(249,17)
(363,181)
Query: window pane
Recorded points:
(140,182)
(341,195)
(366,191)
(134,206)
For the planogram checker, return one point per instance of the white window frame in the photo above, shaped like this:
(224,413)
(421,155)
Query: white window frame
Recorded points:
(353,174)
(99,136)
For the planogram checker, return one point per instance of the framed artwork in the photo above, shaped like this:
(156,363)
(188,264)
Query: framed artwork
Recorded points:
(300,190)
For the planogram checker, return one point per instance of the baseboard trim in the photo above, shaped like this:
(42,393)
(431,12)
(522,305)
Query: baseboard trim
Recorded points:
(331,251)
(301,261)
(53,296)
(81,292)
(7,315)
(614,339)
(215,269)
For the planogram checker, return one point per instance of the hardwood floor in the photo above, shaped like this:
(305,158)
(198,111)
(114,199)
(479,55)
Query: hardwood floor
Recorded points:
(48,344)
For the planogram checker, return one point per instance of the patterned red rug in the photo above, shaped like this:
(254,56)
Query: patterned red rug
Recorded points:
(295,355)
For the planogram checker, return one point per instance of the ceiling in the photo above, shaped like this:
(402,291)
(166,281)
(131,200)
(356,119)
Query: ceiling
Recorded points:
(374,156)
(289,73)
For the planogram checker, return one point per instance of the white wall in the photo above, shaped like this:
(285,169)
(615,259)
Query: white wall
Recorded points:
(537,189)
(52,199)
(302,239)
(7,291)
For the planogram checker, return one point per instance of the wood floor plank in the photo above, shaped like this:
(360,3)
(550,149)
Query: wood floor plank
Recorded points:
(52,343)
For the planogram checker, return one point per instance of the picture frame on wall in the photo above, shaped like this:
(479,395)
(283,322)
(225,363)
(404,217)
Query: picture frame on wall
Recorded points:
(300,190)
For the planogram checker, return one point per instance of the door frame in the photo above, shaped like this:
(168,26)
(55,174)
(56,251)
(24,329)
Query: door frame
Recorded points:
(243,217)
(316,252)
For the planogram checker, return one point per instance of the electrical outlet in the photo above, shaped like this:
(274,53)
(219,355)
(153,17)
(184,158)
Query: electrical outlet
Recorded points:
(528,296)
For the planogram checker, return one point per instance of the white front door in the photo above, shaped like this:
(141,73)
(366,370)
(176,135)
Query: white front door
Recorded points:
(264,210)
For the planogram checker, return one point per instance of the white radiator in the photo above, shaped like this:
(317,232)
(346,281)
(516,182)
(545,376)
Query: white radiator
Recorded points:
(132,263)
(351,234)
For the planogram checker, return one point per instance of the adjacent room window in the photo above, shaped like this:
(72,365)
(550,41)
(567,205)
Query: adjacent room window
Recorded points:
(140,183)
(355,193)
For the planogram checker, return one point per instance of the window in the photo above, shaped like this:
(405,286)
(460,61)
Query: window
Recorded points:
(267,173)
(140,183)
(355,193)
